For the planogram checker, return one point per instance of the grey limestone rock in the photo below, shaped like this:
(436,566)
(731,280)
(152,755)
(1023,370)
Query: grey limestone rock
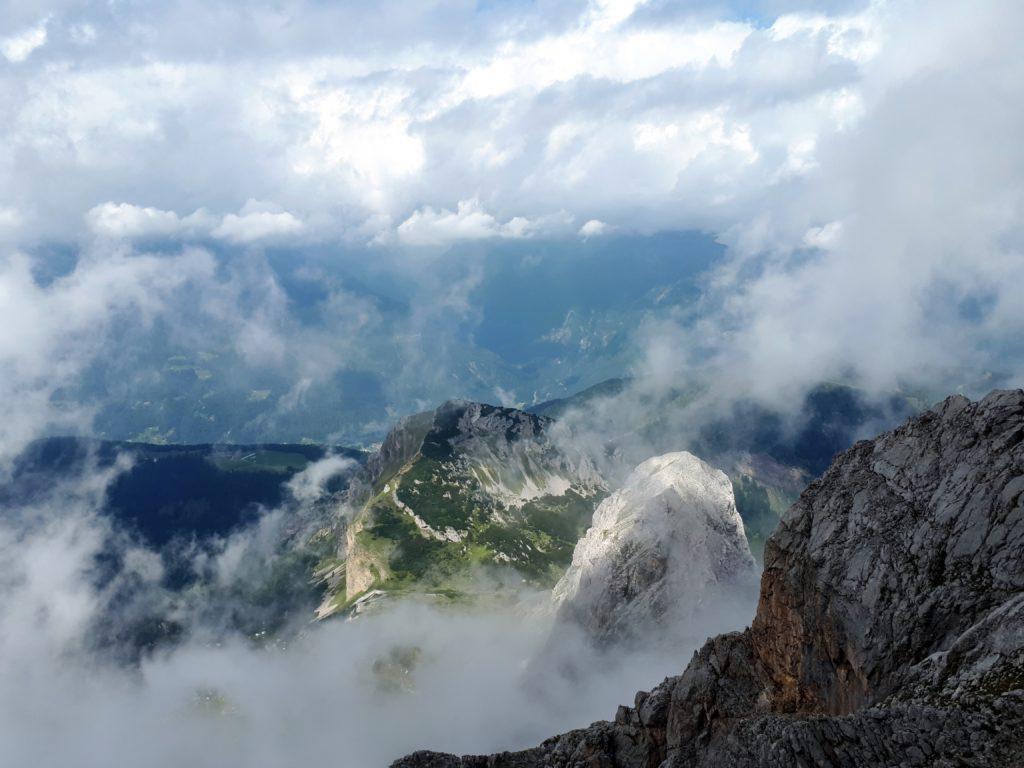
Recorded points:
(662,550)
(890,628)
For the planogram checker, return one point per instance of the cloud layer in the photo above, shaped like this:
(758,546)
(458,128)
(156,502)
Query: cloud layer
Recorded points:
(675,122)
(356,693)
(860,161)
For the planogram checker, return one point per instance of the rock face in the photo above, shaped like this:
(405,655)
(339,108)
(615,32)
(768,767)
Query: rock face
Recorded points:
(662,550)
(464,487)
(905,543)
(890,629)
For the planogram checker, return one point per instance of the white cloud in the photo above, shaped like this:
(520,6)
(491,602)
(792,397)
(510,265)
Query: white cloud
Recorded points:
(18,47)
(83,34)
(10,219)
(919,224)
(507,398)
(852,37)
(258,225)
(468,222)
(255,222)
(760,133)
(681,120)
(358,135)
(50,333)
(824,237)
(593,228)
(627,55)
(127,221)
(308,485)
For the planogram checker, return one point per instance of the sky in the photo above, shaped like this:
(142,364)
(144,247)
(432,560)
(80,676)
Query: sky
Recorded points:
(858,162)
(857,166)
(421,126)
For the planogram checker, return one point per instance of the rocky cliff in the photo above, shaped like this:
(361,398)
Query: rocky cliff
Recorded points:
(663,550)
(890,628)
(462,489)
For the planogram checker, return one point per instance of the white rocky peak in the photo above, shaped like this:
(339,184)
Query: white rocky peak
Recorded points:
(663,549)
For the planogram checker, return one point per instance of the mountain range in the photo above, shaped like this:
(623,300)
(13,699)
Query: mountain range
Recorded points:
(890,627)
(889,622)
(465,502)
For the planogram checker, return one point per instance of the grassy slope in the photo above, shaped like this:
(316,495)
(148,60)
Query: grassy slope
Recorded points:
(534,542)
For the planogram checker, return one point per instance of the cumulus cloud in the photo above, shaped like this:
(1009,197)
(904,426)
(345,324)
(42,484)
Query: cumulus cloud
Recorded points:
(124,220)
(659,131)
(257,221)
(781,134)
(894,261)
(593,228)
(468,222)
(19,46)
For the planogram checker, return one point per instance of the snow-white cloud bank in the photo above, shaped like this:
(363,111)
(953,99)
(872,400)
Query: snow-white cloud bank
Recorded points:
(255,222)
(601,111)
(861,160)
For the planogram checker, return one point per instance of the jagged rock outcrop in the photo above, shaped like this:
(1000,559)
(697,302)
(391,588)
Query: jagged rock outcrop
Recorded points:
(890,629)
(663,550)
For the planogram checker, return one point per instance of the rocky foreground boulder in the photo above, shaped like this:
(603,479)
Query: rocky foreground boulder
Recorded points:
(890,628)
(663,550)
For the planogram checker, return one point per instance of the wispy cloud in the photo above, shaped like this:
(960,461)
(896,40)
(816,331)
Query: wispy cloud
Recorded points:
(859,163)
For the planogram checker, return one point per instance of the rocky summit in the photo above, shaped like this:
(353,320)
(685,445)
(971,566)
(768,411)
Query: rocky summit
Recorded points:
(663,549)
(890,627)
(455,490)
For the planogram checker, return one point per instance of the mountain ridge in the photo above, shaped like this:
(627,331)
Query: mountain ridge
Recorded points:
(460,490)
(890,628)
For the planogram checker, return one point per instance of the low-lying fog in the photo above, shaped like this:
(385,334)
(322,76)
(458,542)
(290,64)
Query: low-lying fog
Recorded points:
(347,693)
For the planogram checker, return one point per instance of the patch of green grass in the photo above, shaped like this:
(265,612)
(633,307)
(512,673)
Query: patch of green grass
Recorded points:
(441,501)
(412,557)
(323,545)
(478,554)
(561,517)
(535,555)
(537,539)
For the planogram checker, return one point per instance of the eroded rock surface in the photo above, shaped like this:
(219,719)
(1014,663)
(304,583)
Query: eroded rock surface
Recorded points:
(462,488)
(664,550)
(890,629)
